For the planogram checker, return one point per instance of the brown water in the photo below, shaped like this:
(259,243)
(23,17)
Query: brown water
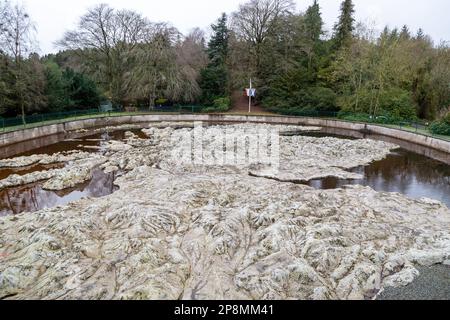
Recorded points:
(414,171)
(402,171)
(5,173)
(32,198)
(64,142)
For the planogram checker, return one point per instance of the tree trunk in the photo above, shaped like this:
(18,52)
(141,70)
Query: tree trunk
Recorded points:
(152,98)
(20,91)
(358,90)
(151,101)
(18,59)
(23,111)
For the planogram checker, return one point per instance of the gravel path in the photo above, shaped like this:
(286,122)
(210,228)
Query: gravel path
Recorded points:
(432,284)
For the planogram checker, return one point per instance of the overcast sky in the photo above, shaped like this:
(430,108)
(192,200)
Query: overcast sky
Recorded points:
(53,17)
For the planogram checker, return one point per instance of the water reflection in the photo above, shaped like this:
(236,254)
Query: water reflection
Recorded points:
(412,147)
(411,174)
(32,198)
(64,142)
(5,173)
(410,171)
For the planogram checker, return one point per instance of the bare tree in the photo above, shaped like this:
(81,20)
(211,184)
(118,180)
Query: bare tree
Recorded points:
(17,41)
(5,12)
(106,37)
(192,50)
(255,22)
(17,31)
(134,58)
(191,59)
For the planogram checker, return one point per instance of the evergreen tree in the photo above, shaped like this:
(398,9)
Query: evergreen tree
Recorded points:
(68,90)
(394,35)
(385,33)
(7,105)
(313,22)
(218,45)
(214,78)
(55,89)
(343,30)
(420,34)
(405,34)
(82,92)
(310,38)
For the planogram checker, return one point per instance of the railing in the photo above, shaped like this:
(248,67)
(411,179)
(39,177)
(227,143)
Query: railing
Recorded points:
(31,121)
(415,126)
(11,124)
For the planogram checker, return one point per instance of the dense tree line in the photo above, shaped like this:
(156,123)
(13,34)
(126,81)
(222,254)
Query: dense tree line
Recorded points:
(135,61)
(297,65)
(32,84)
(299,68)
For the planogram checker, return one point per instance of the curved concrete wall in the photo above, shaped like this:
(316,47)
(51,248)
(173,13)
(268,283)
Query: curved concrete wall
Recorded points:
(39,132)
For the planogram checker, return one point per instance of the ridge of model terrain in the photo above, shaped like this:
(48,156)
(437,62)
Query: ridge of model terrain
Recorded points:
(176,230)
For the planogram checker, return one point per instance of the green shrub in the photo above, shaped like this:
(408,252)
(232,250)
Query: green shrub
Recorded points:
(394,105)
(161,102)
(441,127)
(219,105)
(447,118)
(398,104)
(322,99)
(312,101)
(363,117)
(357,117)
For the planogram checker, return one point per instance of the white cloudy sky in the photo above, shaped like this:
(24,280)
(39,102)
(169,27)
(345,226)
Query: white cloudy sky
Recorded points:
(53,17)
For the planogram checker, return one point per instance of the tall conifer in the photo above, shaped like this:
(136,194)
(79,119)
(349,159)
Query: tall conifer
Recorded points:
(343,30)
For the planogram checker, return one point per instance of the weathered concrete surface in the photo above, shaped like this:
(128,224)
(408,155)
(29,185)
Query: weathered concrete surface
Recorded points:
(30,134)
(27,134)
(77,170)
(42,159)
(307,158)
(301,158)
(175,232)
(202,236)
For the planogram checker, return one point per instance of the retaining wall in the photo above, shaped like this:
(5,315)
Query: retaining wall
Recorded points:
(39,132)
